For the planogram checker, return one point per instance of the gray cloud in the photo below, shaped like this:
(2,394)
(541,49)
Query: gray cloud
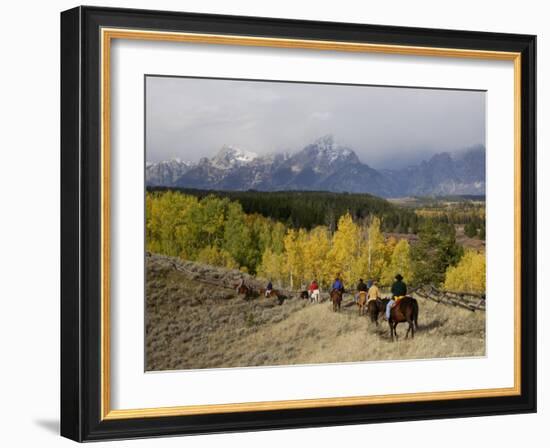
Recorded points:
(192,118)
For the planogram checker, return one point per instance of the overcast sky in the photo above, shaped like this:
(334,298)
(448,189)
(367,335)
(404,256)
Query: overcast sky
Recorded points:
(192,118)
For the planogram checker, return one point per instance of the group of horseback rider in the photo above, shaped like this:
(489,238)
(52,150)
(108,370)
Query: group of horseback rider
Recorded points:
(397,308)
(398,290)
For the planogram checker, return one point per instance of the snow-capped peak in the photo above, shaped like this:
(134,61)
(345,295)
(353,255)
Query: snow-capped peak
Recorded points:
(325,150)
(176,161)
(230,157)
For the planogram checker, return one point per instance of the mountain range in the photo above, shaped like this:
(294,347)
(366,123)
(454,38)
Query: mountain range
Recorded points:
(324,166)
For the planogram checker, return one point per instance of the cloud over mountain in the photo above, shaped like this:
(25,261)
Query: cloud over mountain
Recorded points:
(328,166)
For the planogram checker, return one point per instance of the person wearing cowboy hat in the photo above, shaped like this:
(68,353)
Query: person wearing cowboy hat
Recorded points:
(398,291)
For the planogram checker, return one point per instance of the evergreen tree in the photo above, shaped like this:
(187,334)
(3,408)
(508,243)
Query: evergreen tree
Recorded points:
(470,229)
(435,251)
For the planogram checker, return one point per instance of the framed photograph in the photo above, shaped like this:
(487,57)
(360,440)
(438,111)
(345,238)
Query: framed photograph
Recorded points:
(273,223)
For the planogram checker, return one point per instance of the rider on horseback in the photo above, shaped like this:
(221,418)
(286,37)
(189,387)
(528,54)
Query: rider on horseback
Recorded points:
(374,292)
(398,291)
(338,284)
(361,287)
(268,289)
(313,290)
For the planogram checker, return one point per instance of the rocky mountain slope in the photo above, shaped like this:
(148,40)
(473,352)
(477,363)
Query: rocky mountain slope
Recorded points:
(325,166)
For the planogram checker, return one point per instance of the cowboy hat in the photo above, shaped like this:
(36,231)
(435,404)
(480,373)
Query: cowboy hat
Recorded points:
(399,277)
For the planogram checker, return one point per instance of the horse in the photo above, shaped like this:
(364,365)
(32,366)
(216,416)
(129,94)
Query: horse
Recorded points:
(269,294)
(244,290)
(336,297)
(315,296)
(362,302)
(304,295)
(406,310)
(375,308)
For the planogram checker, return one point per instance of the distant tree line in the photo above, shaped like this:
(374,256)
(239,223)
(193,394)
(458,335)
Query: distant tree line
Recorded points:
(308,209)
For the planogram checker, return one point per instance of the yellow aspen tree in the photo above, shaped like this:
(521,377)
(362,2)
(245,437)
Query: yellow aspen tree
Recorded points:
(374,254)
(345,248)
(315,251)
(469,275)
(293,256)
(272,267)
(391,242)
(400,263)
(215,256)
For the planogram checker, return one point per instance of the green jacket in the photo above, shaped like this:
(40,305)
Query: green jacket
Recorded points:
(399,288)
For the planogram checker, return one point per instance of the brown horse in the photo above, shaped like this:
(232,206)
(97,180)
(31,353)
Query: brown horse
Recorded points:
(245,291)
(336,297)
(375,308)
(362,302)
(271,294)
(406,310)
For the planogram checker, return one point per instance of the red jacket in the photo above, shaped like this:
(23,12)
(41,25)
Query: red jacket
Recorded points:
(313,286)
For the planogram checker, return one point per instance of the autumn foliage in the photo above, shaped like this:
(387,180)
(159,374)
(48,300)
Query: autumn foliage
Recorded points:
(215,230)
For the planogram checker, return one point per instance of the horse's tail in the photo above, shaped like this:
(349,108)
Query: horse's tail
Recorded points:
(415,313)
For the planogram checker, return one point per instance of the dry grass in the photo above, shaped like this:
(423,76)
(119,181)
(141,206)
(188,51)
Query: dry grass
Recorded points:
(193,325)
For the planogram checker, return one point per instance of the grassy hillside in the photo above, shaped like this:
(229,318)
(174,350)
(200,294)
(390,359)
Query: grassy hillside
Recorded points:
(192,323)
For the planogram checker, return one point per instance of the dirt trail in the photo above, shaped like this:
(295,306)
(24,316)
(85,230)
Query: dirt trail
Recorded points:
(193,324)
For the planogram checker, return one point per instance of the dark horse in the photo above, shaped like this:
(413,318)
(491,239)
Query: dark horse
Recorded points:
(336,297)
(245,291)
(375,308)
(406,310)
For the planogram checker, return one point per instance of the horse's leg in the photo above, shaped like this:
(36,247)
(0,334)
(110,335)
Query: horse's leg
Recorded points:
(395,331)
(410,320)
(391,329)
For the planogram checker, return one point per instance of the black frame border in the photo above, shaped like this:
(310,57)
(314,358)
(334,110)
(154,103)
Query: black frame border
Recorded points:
(81,223)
